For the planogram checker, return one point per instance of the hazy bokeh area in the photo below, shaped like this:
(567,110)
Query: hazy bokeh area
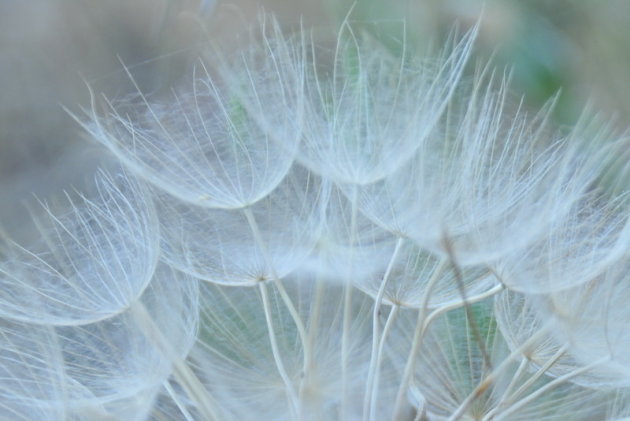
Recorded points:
(52,50)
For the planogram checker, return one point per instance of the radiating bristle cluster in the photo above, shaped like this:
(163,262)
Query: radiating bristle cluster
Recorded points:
(306,233)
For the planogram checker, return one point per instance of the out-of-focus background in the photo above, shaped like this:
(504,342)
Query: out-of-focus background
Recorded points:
(51,50)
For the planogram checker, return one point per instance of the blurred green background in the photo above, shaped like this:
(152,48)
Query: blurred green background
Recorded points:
(50,49)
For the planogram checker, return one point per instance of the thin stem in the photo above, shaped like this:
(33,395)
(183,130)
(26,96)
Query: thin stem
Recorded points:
(178,402)
(347,308)
(491,377)
(508,390)
(313,331)
(376,340)
(459,278)
(422,325)
(379,357)
(542,370)
(557,381)
(251,219)
(504,402)
(291,395)
(417,339)
(472,300)
(347,322)
(187,379)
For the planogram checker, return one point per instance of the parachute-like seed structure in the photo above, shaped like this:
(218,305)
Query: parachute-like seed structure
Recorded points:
(590,318)
(289,220)
(237,363)
(367,110)
(93,256)
(487,183)
(109,369)
(459,382)
(215,141)
(311,230)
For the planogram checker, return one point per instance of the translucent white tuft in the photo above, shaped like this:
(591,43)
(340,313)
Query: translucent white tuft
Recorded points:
(215,141)
(369,110)
(237,363)
(485,182)
(347,213)
(266,241)
(465,372)
(94,255)
(593,318)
